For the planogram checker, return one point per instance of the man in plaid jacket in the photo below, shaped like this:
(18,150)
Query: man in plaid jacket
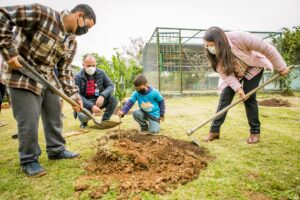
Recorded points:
(45,38)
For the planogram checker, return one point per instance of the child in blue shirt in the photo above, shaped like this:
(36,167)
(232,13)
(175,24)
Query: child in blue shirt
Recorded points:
(151,103)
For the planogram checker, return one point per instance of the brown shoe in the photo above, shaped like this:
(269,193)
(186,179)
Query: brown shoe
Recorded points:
(253,138)
(212,136)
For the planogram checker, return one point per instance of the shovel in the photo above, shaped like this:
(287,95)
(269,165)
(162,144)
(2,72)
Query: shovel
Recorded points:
(221,112)
(33,74)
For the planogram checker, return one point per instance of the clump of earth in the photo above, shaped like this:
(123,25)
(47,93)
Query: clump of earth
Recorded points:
(130,162)
(275,103)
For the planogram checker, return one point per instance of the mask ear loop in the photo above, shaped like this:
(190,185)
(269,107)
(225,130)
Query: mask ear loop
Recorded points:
(84,24)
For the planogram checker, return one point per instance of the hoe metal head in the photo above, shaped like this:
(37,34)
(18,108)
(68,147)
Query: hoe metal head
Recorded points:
(194,140)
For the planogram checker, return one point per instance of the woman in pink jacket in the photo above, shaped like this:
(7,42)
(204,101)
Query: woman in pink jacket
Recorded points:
(240,59)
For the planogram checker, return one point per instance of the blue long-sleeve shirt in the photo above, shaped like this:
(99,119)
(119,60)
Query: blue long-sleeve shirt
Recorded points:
(152,102)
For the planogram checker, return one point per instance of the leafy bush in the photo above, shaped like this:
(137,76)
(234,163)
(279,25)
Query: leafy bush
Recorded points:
(121,71)
(289,45)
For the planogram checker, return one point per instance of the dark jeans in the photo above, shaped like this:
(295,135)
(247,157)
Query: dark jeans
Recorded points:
(109,104)
(250,105)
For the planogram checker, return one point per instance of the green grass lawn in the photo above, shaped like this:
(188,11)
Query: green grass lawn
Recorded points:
(268,170)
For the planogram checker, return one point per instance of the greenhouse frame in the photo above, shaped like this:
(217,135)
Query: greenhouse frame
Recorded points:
(174,61)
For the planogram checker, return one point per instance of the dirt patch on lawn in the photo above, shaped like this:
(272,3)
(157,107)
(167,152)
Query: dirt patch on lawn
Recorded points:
(129,162)
(275,103)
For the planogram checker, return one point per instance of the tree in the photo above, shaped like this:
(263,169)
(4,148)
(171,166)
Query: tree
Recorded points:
(120,71)
(135,50)
(289,45)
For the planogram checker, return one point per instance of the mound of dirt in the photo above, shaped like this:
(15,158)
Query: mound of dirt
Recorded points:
(130,163)
(275,103)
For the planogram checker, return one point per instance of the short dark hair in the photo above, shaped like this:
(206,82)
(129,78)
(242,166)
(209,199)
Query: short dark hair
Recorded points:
(140,80)
(87,10)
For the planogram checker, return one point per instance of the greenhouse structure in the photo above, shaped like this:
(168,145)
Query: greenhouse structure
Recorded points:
(174,61)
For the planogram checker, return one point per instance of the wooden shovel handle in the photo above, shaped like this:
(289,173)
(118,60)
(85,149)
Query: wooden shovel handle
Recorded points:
(44,82)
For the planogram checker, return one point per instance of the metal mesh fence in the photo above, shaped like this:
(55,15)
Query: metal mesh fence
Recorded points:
(174,61)
(150,59)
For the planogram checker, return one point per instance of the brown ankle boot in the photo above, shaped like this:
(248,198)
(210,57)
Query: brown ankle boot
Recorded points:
(212,136)
(253,138)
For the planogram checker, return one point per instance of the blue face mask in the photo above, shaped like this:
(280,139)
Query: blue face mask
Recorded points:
(81,29)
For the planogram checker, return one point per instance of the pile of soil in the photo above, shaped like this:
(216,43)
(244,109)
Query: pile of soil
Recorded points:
(275,103)
(130,162)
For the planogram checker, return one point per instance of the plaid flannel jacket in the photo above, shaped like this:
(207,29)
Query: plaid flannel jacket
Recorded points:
(241,70)
(40,38)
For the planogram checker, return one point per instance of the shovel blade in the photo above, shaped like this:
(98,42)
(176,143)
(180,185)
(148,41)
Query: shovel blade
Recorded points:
(195,141)
(105,125)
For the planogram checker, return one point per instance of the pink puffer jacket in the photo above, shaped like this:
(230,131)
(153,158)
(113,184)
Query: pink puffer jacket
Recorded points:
(255,52)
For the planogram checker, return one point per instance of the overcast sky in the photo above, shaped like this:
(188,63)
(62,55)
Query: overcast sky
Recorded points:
(118,20)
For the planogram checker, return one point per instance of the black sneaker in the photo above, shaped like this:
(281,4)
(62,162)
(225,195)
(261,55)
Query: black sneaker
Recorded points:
(15,136)
(33,169)
(65,154)
(83,125)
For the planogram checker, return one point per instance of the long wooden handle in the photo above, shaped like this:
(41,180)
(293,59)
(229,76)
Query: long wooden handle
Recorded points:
(190,132)
(44,82)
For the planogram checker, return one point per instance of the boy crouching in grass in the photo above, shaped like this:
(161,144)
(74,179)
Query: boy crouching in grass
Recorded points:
(151,103)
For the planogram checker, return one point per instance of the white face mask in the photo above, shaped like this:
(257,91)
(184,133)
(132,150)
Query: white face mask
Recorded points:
(90,70)
(212,49)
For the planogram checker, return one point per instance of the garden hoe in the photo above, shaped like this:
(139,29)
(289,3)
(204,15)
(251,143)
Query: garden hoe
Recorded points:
(221,112)
(33,74)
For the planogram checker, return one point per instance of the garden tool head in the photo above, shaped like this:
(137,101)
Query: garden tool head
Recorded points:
(194,140)
(105,125)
